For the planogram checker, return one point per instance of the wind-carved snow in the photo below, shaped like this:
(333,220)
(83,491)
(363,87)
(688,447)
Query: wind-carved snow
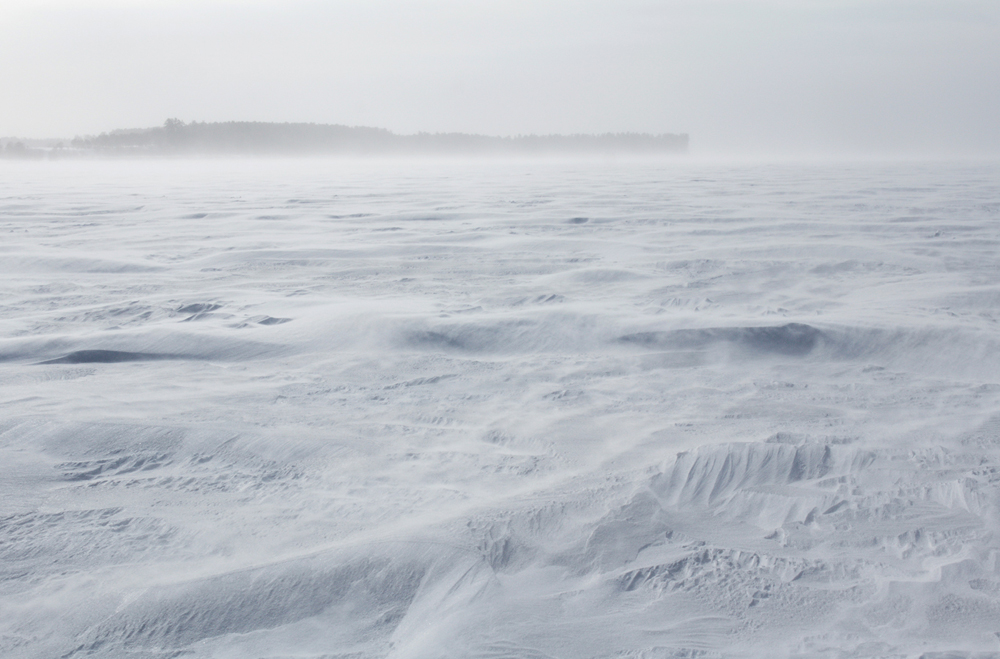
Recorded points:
(539,410)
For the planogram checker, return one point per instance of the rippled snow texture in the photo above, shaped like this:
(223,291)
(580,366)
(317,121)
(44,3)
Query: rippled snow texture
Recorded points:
(534,410)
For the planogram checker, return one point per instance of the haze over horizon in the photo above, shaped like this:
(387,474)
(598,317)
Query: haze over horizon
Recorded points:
(752,77)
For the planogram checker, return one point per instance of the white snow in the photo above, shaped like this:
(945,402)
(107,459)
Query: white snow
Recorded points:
(319,409)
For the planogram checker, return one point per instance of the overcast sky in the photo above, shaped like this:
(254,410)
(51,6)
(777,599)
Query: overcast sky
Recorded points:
(738,75)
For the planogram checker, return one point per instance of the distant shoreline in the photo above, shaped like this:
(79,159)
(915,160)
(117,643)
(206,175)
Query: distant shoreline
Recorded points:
(251,138)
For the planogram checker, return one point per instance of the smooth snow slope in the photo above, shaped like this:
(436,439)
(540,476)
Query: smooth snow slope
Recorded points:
(535,410)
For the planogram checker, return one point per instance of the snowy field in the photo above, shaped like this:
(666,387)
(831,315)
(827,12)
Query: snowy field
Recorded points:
(311,410)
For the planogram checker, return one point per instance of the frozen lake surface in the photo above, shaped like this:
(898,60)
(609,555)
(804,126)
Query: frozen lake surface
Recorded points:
(527,410)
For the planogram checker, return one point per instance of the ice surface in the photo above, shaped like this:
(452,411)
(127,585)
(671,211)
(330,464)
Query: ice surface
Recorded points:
(541,410)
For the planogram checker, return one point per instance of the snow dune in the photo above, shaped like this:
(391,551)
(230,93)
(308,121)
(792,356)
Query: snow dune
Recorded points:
(537,410)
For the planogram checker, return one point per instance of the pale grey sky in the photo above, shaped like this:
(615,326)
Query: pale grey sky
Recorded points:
(746,76)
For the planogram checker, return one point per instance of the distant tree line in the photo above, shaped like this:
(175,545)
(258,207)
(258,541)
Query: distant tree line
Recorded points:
(262,138)
(27,149)
(13,148)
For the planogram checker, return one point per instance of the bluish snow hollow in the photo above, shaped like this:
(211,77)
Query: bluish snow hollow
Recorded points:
(332,410)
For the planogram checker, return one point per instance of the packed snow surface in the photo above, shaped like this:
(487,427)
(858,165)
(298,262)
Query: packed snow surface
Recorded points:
(309,410)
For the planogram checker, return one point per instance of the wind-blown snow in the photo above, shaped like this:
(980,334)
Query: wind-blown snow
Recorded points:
(536,410)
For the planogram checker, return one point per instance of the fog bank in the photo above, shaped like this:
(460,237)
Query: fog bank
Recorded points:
(763,77)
